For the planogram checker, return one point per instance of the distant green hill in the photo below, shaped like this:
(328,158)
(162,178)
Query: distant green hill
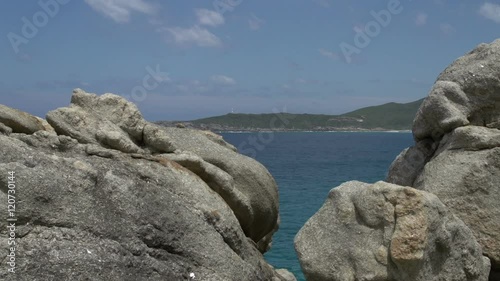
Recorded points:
(390,116)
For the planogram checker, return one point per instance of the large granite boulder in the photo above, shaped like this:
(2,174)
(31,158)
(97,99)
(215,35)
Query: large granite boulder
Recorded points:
(19,121)
(465,93)
(387,232)
(465,175)
(456,154)
(102,200)
(112,122)
(250,189)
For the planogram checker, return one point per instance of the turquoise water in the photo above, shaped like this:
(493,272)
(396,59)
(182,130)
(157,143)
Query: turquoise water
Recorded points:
(307,165)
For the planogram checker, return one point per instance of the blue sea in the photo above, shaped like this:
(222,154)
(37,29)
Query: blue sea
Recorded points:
(306,165)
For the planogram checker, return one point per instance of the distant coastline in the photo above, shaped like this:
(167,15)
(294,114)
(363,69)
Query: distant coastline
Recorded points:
(224,129)
(389,117)
(311,131)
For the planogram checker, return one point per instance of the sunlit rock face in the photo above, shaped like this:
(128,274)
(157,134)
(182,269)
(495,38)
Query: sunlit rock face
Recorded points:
(106,195)
(457,151)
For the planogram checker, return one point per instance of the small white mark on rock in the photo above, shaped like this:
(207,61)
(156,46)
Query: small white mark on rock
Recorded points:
(191,275)
(88,251)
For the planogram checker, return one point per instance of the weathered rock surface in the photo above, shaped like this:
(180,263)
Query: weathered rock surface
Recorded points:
(465,93)
(5,130)
(19,121)
(104,200)
(387,232)
(409,163)
(112,122)
(287,275)
(456,155)
(46,126)
(252,193)
(467,180)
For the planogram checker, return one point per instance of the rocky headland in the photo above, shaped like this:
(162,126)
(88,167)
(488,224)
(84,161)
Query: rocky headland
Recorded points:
(386,117)
(437,216)
(102,194)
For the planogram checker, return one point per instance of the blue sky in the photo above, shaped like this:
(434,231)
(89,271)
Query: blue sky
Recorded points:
(180,60)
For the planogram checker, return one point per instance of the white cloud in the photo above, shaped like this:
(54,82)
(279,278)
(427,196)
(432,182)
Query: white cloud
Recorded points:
(328,54)
(223,80)
(447,28)
(120,10)
(490,11)
(255,23)
(421,19)
(193,35)
(209,17)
